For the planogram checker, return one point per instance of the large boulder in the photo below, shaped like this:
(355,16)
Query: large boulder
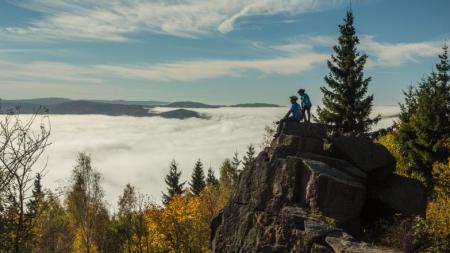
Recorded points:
(401,194)
(330,191)
(318,131)
(297,138)
(338,164)
(373,158)
(289,145)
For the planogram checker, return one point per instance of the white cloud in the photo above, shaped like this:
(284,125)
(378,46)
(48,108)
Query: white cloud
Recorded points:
(306,43)
(138,150)
(294,57)
(175,71)
(46,72)
(383,54)
(207,69)
(117,20)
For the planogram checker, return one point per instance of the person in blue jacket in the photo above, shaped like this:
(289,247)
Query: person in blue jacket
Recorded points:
(306,104)
(293,115)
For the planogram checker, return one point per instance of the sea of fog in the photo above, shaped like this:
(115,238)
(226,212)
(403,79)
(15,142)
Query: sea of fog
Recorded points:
(138,150)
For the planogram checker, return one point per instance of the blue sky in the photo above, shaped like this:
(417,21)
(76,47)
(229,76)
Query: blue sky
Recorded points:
(214,51)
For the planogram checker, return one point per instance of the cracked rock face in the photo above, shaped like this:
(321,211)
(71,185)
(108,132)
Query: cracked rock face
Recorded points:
(297,197)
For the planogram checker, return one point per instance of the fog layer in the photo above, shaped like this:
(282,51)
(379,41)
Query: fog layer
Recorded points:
(138,150)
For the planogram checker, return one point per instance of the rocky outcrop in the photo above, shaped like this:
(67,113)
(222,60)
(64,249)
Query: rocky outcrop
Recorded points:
(299,197)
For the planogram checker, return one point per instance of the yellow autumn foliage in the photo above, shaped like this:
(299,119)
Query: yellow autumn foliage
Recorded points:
(392,145)
(181,226)
(80,245)
(402,166)
(433,231)
(437,223)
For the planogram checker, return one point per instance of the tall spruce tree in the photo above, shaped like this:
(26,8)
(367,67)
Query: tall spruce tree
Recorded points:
(172,179)
(424,129)
(211,178)
(197,183)
(347,108)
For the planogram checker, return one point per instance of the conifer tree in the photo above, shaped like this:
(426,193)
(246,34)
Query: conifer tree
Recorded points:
(174,187)
(211,178)
(424,130)
(236,162)
(443,67)
(34,209)
(37,196)
(347,108)
(197,183)
(409,107)
(249,158)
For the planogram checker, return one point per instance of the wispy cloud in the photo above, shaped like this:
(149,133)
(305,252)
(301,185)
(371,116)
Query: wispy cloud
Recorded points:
(176,71)
(207,69)
(41,71)
(381,54)
(118,20)
(294,57)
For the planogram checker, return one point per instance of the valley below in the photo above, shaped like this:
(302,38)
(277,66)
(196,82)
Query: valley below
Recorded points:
(138,150)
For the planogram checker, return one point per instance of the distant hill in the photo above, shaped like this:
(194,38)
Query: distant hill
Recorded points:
(52,101)
(82,107)
(181,114)
(88,107)
(37,101)
(190,104)
(32,103)
(127,102)
(55,105)
(255,105)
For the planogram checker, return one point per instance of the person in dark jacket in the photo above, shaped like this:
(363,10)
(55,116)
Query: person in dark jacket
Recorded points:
(306,104)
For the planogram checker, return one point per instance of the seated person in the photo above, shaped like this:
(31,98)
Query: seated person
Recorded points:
(295,110)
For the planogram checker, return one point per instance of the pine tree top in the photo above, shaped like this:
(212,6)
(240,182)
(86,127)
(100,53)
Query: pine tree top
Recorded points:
(172,179)
(211,178)
(236,162)
(249,157)
(197,182)
(443,67)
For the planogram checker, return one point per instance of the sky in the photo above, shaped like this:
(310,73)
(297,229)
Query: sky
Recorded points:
(213,51)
